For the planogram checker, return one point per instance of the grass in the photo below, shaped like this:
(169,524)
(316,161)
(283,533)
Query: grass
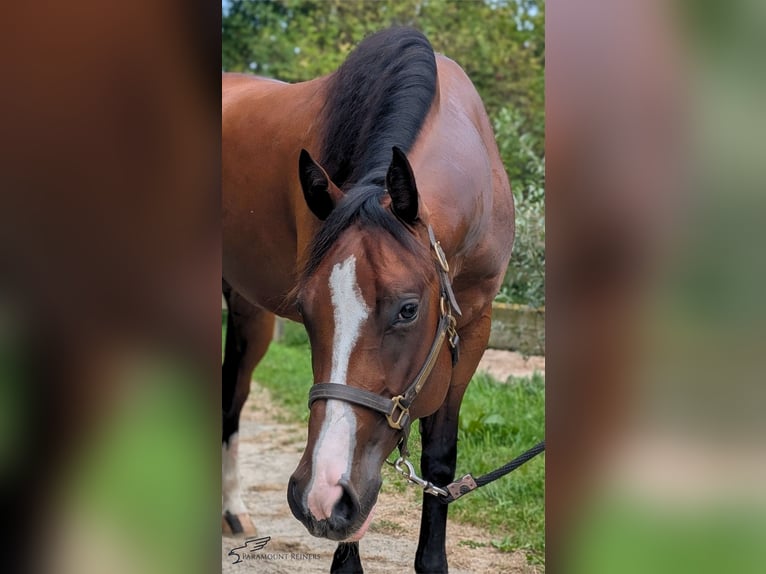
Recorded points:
(286,372)
(632,533)
(498,421)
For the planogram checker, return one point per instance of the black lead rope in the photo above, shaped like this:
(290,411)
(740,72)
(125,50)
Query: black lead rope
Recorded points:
(468,483)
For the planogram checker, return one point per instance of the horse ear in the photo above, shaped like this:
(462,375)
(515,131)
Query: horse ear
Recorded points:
(321,194)
(400,183)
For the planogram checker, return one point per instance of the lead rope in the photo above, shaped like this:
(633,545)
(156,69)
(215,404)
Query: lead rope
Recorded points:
(468,483)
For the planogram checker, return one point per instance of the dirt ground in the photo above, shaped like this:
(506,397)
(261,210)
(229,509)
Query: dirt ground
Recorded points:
(503,364)
(269,452)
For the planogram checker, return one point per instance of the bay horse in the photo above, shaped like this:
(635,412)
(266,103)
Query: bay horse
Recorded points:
(389,247)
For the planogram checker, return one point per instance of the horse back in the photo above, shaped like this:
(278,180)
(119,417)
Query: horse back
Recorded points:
(265,124)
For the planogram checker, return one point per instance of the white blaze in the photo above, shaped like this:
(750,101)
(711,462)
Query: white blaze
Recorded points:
(334,448)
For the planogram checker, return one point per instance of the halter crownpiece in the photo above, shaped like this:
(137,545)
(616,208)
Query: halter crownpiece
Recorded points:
(397,409)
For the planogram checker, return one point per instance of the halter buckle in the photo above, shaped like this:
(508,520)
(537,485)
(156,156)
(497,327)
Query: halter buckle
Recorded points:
(404,412)
(441,257)
(452,336)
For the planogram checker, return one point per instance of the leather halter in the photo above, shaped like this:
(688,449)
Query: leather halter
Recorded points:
(397,409)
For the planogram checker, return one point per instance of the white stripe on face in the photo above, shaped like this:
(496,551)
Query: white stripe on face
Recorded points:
(334,448)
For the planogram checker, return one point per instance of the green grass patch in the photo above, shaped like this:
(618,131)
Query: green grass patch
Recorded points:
(498,421)
(286,372)
(633,535)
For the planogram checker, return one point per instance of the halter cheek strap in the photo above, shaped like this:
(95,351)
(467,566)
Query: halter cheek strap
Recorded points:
(397,409)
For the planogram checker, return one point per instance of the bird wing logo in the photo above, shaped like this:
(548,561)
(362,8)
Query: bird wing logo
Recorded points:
(251,545)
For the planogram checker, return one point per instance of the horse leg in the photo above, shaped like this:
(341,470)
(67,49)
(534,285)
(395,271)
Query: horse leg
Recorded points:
(346,559)
(439,440)
(249,331)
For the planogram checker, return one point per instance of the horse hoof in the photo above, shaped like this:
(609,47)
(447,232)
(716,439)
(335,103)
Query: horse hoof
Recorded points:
(237,524)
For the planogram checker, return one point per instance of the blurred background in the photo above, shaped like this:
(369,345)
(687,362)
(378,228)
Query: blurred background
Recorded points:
(655,212)
(110,287)
(654,344)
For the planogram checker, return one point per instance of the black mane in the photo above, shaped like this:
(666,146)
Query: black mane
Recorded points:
(378,99)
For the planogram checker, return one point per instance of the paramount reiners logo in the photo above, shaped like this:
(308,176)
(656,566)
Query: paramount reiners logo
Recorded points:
(250,550)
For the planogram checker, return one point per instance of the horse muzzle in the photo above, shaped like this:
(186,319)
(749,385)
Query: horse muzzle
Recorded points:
(340,515)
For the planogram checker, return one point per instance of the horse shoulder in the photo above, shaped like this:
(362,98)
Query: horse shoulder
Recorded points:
(483,189)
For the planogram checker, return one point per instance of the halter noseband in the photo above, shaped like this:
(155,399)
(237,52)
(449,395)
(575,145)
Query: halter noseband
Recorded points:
(397,409)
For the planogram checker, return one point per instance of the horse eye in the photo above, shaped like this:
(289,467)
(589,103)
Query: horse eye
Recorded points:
(408,312)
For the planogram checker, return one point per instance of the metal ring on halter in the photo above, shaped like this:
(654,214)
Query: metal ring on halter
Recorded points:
(396,423)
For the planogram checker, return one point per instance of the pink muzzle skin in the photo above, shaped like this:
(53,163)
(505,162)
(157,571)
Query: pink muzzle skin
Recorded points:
(357,536)
(322,499)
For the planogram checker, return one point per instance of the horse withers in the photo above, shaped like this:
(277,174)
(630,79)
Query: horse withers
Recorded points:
(372,206)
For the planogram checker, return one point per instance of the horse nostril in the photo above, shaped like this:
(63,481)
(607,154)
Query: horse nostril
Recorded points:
(345,510)
(293,500)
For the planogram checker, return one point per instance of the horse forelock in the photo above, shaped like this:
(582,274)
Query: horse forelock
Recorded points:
(361,209)
(379,98)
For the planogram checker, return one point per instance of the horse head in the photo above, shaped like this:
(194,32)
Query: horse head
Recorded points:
(373,303)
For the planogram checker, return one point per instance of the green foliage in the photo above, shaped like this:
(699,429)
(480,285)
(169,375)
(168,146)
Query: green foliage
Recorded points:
(519,151)
(499,43)
(294,334)
(525,280)
(286,372)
